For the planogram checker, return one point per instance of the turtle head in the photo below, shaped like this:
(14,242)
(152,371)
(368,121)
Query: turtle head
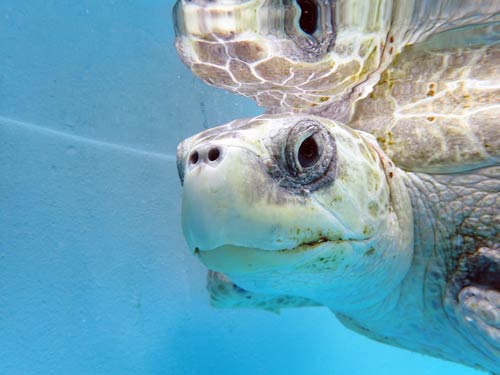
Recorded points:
(293,54)
(296,205)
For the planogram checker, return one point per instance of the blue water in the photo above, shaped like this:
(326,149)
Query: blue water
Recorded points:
(95,277)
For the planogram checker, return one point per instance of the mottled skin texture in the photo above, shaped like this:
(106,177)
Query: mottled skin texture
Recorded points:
(423,78)
(454,216)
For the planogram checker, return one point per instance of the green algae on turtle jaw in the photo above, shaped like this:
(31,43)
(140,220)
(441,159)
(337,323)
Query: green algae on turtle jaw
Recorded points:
(393,222)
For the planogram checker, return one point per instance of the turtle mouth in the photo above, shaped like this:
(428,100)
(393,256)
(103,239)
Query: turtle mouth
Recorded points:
(232,259)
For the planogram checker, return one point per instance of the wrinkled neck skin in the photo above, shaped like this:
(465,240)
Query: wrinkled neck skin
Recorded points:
(445,211)
(425,247)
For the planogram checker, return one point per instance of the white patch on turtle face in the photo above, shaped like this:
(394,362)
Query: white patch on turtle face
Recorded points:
(319,241)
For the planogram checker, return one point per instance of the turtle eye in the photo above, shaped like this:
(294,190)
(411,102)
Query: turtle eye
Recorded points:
(308,153)
(308,20)
(310,24)
(308,157)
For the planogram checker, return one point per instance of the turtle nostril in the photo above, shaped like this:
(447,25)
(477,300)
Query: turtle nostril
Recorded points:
(193,159)
(213,154)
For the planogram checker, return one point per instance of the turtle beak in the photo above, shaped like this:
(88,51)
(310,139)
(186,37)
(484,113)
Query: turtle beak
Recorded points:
(189,158)
(212,197)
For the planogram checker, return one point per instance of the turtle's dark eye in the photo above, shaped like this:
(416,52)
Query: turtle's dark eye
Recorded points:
(307,158)
(308,153)
(310,24)
(308,21)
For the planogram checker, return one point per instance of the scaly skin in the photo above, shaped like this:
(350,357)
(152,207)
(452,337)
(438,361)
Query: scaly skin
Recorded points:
(454,215)
(459,209)
(409,259)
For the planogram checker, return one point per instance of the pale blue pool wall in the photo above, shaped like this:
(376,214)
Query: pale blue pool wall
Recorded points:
(95,277)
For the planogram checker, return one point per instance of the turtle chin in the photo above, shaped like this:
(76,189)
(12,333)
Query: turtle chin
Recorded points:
(240,261)
(343,275)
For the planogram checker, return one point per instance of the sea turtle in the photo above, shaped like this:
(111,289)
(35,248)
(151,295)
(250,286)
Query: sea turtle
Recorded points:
(372,184)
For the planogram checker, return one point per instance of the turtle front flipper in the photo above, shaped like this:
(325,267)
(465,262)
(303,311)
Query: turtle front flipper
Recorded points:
(225,294)
(472,299)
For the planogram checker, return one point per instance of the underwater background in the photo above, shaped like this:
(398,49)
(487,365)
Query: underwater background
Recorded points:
(95,277)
